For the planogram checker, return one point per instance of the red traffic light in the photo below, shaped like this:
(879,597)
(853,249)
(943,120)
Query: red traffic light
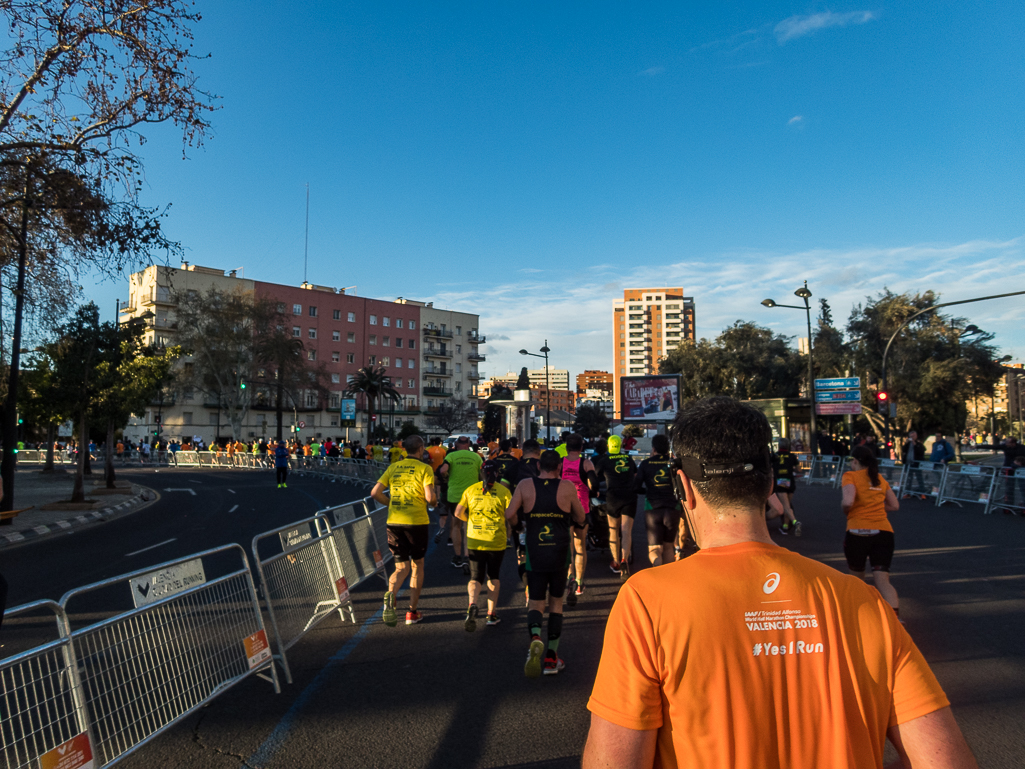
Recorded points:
(882,396)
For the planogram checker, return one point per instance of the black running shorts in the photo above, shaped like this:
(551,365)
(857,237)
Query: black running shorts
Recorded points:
(877,548)
(408,543)
(485,564)
(617,508)
(542,584)
(662,524)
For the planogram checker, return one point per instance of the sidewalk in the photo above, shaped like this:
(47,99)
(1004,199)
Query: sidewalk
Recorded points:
(48,511)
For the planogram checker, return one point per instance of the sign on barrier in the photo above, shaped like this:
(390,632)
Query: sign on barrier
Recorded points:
(191,646)
(924,479)
(1008,491)
(893,472)
(42,706)
(825,470)
(359,546)
(967,484)
(298,569)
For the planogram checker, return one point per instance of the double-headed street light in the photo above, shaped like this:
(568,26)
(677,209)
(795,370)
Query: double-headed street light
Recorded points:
(805,294)
(548,387)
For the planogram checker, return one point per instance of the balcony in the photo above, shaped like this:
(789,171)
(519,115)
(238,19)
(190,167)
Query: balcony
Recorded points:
(437,332)
(429,372)
(436,391)
(432,351)
(474,376)
(475,356)
(476,339)
(161,296)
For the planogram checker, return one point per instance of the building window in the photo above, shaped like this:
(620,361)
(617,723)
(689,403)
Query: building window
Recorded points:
(459,387)
(459,349)
(373,320)
(350,337)
(352,317)
(313,311)
(398,323)
(373,339)
(412,363)
(459,368)
(336,378)
(386,321)
(398,363)
(312,333)
(281,307)
(335,357)
(311,402)
(373,360)
(459,330)
(336,336)
(412,325)
(336,315)
(336,401)
(186,417)
(213,418)
(311,355)
(297,332)
(409,383)
(412,342)
(398,383)
(350,357)
(297,309)
(386,341)
(385,361)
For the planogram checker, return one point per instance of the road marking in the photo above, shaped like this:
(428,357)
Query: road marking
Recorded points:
(233,509)
(159,544)
(231,491)
(192,481)
(191,491)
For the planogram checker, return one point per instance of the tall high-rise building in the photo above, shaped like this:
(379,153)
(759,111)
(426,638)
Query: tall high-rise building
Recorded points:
(647,324)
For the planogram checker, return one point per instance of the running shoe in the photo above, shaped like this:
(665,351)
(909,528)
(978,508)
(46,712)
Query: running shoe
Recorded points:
(449,543)
(580,588)
(553,665)
(614,566)
(784,529)
(624,571)
(388,614)
(284,485)
(493,619)
(571,593)
(279,485)
(471,619)
(438,536)
(412,617)
(537,650)
(797,528)
(457,562)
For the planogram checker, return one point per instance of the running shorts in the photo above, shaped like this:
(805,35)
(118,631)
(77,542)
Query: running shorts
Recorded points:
(408,543)
(877,548)
(662,524)
(787,486)
(485,564)
(542,584)
(618,507)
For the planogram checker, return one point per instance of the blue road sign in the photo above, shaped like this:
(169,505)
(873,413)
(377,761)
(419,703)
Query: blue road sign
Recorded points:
(836,396)
(841,383)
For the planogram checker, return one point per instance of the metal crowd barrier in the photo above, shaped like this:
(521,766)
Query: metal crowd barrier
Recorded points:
(42,707)
(186,641)
(893,471)
(1008,490)
(924,479)
(299,581)
(344,513)
(825,469)
(361,550)
(967,484)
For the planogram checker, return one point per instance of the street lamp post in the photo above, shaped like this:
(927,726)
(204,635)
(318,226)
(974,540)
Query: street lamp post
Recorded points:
(548,388)
(805,294)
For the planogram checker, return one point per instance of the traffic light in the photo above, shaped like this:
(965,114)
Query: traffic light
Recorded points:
(242,384)
(21,421)
(883,402)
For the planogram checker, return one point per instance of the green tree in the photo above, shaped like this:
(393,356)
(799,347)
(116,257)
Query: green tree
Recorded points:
(453,415)
(375,386)
(591,421)
(408,429)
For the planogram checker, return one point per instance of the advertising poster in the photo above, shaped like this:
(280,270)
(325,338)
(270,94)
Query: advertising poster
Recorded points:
(348,412)
(653,398)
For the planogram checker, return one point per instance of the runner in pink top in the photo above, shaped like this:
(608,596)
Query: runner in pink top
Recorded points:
(580,472)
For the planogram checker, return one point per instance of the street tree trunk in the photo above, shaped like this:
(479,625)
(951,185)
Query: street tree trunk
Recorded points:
(279,406)
(48,467)
(108,458)
(78,494)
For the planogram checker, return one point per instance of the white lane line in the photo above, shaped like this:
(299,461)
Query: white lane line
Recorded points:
(192,481)
(159,544)
(231,491)
(233,509)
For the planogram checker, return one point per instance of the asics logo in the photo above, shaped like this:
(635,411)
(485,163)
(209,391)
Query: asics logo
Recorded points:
(771,584)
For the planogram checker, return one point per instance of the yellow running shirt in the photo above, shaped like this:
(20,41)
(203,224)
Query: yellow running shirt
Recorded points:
(485,514)
(406,479)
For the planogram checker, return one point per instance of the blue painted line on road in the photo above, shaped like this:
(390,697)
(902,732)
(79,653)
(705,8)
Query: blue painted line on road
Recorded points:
(320,505)
(276,739)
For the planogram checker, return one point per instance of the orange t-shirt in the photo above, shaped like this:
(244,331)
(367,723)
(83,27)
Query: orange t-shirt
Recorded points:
(752,657)
(868,511)
(437,455)
(518,453)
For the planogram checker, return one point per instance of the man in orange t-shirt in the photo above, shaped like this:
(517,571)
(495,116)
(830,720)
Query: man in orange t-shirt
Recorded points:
(748,656)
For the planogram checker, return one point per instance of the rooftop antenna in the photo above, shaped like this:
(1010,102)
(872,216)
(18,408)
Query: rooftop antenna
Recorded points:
(306,247)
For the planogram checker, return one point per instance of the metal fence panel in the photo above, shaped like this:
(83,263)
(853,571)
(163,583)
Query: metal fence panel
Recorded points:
(967,484)
(42,706)
(299,580)
(924,479)
(144,670)
(361,551)
(893,471)
(344,513)
(825,470)
(1008,492)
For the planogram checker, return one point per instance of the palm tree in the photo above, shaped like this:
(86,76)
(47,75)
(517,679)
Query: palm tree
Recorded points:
(375,384)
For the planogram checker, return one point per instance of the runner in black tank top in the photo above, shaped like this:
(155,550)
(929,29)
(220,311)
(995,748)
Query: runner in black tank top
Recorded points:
(529,467)
(548,532)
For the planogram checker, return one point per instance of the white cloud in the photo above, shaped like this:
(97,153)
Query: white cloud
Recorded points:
(652,71)
(574,313)
(795,119)
(799,26)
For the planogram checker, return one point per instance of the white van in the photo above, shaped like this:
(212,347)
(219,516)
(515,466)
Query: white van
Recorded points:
(450,441)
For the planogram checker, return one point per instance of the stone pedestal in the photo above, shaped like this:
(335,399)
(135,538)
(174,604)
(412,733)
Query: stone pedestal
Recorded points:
(517,414)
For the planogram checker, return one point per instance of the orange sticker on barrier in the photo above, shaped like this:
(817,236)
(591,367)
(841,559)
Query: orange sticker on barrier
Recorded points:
(342,588)
(76,753)
(378,560)
(257,648)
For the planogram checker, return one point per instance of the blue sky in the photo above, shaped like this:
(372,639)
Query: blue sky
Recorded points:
(527,161)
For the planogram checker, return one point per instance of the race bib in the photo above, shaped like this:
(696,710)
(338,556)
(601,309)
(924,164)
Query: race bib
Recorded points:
(783,483)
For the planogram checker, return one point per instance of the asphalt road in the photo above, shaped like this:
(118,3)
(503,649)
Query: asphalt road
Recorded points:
(432,695)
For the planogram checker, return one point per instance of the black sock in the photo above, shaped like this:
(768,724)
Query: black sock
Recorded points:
(554,631)
(534,621)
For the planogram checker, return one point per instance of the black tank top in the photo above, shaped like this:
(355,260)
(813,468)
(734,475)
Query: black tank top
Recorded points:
(548,528)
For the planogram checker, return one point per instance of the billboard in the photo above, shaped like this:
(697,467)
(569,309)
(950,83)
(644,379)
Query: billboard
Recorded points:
(348,412)
(649,398)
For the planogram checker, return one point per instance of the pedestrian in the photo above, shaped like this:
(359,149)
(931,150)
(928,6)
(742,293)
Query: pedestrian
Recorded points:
(747,655)
(867,498)
(912,452)
(784,478)
(579,471)
(460,470)
(661,508)
(482,507)
(942,451)
(618,471)
(411,483)
(281,464)
(550,507)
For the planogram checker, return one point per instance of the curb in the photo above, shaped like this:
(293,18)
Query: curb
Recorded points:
(83,519)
